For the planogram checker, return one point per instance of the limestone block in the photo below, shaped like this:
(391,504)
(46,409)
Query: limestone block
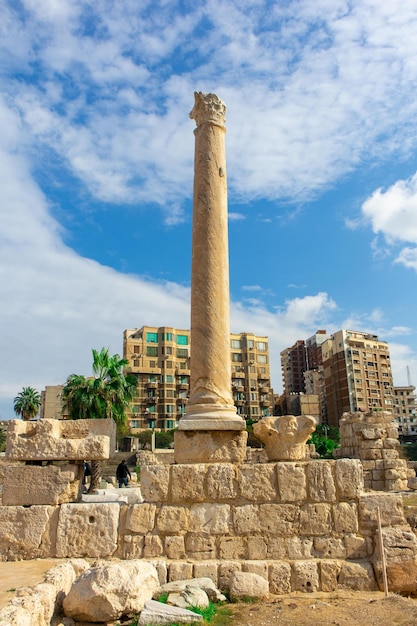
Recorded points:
(133,546)
(140,518)
(329,548)
(320,483)
(399,544)
(368,465)
(159,613)
(34,484)
(246,519)
(389,454)
(315,519)
(299,548)
(277,548)
(329,572)
(215,519)
(305,576)
(395,485)
(247,585)
(358,576)
(226,568)
(258,483)
(401,576)
(87,530)
(175,547)
(280,578)
(205,583)
(257,548)
(179,570)
(188,482)
(190,596)
(113,589)
(55,440)
(291,482)
(378,475)
(232,548)
(216,446)
(377,485)
(390,506)
(154,483)
(152,546)
(372,444)
(358,547)
(391,443)
(161,568)
(206,570)
(279,519)
(256,567)
(349,478)
(366,454)
(200,546)
(24,532)
(345,516)
(221,482)
(372,433)
(173,519)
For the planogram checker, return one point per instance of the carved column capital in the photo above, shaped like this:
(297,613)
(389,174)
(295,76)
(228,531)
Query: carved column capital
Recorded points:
(208,108)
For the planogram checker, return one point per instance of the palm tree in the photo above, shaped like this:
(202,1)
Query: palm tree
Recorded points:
(105,395)
(27,403)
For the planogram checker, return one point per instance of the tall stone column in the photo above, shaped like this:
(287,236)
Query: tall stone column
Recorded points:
(210,408)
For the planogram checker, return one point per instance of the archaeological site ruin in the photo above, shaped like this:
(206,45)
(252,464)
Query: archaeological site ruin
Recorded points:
(298,522)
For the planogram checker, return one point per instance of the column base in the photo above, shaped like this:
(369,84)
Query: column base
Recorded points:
(212,446)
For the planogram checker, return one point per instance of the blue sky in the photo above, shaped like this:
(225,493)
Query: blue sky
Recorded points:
(96,171)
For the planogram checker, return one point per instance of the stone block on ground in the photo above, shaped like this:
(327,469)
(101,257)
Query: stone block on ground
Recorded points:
(113,590)
(158,613)
(247,585)
(210,446)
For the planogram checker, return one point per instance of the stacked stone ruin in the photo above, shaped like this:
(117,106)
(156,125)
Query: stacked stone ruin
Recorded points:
(372,437)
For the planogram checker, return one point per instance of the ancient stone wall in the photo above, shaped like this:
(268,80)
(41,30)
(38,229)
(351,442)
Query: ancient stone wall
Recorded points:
(373,438)
(301,525)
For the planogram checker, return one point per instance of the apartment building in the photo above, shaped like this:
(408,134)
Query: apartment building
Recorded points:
(160,358)
(293,365)
(405,410)
(357,374)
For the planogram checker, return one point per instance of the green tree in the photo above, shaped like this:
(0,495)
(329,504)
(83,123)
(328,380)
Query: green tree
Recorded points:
(27,403)
(326,439)
(105,395)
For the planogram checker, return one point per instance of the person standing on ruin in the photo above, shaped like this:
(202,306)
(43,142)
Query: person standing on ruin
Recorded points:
(123,474)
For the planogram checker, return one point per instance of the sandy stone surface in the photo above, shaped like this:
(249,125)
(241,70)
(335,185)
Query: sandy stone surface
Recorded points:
(342,608)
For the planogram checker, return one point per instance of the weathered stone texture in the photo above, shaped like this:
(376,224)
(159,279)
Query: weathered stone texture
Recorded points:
(258,482)
(24,532)
(141,518)
(32,484)
(49,439)
(154,483)
(188,482)
(292,482)
(87,530)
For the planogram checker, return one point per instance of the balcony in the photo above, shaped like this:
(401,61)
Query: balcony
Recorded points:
(151,400)
(239,402)
(238,388)
(182,400)
(264,403)
(238,374)
(183,386)
(152,384)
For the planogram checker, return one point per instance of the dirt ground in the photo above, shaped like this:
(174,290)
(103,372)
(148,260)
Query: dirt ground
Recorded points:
(341,608)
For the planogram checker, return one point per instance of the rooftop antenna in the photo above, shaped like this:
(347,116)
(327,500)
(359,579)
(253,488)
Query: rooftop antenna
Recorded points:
(409,377)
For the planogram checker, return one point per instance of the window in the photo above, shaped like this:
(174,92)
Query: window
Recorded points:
(170,424)
(169,408)
(182,379)
(171,393)
(168,337)
(261,346)
(134,424)
(169,378)
(152,363)
(182,340)
(168,365)
(168,350)
(136,363)
(235,343)
(152,337)
(250,344)
(182,353)
(253,397)
(136,349)
(261,358)
(151,351)
(183,366)
(236,357)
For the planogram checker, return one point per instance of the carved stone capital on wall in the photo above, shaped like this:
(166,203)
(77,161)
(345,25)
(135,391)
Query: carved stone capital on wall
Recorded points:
(208,108)
(285,437)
